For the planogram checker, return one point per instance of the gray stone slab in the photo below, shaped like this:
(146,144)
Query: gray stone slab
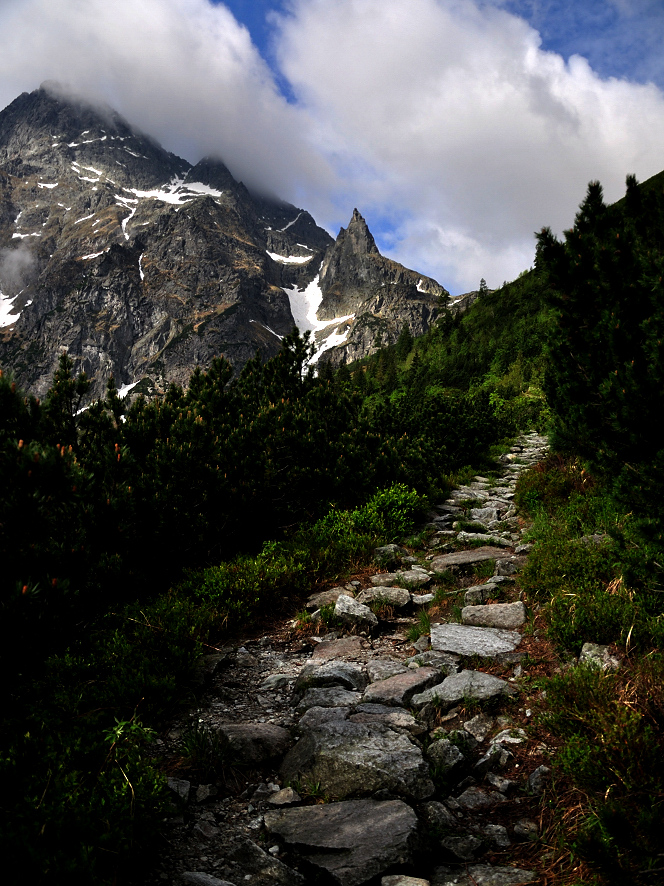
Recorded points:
(326,598)
(495,615)
(467,684)
(398,690)
(392,595)
(353,841)
(331,697)
(355,759)
(461,559)
(401,880)
(257,862)
(383,668)
(354,613)
(496,540)
(256,743)
(316,716)
(469,640)
(348,648)
(395,718)
(198,878)
(482,875)
(332,673)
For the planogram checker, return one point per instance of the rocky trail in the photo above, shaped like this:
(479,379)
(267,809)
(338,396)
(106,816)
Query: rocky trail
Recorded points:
(365,754)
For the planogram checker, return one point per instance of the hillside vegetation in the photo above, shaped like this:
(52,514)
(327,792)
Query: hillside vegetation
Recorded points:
(135,538)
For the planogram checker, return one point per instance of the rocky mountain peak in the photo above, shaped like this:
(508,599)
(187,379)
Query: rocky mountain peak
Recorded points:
(357,237)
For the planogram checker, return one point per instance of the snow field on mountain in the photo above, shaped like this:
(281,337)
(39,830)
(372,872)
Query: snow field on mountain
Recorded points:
(6,307)
(304,303)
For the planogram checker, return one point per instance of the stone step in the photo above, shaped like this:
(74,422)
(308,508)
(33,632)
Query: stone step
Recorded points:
(469,640)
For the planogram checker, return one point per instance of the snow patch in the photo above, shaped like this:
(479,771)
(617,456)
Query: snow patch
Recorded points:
(44,185)
(290,224)
(85,218)
(265,326)
(6,308)
(304,304)
(290,259)
(176,192)
(93,255)
(140,266)
(124,390)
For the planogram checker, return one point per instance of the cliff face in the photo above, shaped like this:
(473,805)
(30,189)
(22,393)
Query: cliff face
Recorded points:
(139,264)
(380,295)
(143,266)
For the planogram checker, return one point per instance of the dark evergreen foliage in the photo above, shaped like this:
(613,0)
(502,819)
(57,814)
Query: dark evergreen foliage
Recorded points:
(604,380)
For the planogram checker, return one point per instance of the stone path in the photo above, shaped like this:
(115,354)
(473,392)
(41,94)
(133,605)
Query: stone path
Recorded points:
(363,755)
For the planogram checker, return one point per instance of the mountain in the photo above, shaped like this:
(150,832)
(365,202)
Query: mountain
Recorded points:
(375,295)
(143,266)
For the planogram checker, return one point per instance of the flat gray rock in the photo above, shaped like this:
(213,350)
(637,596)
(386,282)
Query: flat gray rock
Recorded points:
(354,613)
(398,690)
(275,681)
(469,640)
(467,684)
(254,860)
(355,759)
(482,875)
(353,841)
(495,615)
(256,743)
(465,558)
(331,673)
(446,662)
(198,878)
(445,755)
(382,668)
(496,540)
(394,718)
(484,515)
(332,697)
(479,727)
(401,880)
(417,577)
(326,598)
(422,599)
(475,798)
(391,595)
(317,716)
(338,650)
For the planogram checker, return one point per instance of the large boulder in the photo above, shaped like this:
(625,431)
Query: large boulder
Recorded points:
(352,841)
(468,684)
(333,673)
(353,613)
(255,744)
(349,759)
(495,615)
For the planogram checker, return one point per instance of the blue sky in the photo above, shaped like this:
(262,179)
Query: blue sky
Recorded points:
(457,127)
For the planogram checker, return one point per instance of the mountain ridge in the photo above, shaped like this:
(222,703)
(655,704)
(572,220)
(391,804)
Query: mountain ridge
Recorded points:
(143,266)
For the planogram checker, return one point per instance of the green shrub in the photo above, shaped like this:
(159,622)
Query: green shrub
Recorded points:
(613,728)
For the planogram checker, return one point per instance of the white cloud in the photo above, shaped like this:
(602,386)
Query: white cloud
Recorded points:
(465,123)
(442,120)
(183,70)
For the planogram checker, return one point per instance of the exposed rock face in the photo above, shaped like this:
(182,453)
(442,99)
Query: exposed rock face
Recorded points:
(381,295)
(143,266)
(137,263)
